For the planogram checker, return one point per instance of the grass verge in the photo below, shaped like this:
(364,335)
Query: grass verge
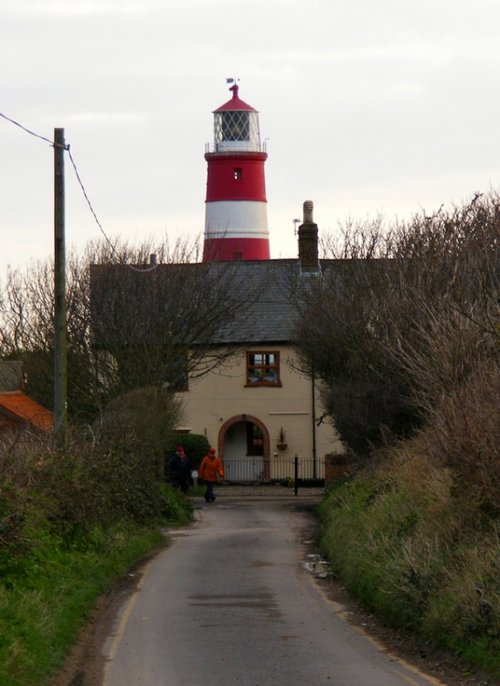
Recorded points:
(48,594)
(406,544)
(43,610)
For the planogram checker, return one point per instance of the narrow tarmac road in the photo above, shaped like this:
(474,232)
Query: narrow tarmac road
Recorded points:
(230,603)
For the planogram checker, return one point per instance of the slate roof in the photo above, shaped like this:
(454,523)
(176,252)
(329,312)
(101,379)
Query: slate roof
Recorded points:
(267,313)
(11,375)
(263,293)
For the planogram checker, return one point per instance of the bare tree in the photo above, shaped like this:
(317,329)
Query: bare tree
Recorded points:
(26,333)
(160,323)
(404,320)
(131,322)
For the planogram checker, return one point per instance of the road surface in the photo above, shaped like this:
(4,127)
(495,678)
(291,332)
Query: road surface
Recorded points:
(230,603)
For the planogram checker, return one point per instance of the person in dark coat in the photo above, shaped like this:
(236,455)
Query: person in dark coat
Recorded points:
(179,469)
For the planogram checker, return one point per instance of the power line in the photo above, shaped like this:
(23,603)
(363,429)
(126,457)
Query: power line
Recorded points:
(80,183)
(87,199)
(32,133)
(91,208)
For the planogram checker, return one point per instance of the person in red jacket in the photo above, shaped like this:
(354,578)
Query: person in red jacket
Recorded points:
(210,471)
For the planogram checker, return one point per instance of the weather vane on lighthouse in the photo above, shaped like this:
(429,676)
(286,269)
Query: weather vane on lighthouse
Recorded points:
(236,204)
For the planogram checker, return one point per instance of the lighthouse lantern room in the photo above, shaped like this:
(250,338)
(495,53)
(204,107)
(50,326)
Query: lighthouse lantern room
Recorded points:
(236,203)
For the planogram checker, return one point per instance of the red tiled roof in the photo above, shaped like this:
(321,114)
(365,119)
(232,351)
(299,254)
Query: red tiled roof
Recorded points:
(19,407)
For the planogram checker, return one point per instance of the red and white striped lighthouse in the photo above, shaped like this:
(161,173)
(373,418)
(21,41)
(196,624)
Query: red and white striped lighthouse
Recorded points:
(236,204)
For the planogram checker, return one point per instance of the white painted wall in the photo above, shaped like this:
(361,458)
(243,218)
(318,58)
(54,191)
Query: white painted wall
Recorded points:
(221,395)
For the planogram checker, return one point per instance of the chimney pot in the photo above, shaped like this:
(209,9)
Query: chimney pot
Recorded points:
(308,212)
(308,240)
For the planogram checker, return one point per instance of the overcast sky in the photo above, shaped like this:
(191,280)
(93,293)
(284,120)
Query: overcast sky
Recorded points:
(388,106)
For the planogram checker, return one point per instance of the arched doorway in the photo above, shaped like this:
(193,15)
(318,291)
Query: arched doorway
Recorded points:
(243,445)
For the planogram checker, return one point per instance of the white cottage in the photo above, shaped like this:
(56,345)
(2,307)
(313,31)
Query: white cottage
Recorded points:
(240,379)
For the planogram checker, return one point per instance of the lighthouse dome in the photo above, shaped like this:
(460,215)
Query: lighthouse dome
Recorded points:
(236,126)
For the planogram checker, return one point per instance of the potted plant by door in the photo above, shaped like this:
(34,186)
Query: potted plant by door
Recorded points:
(281,443)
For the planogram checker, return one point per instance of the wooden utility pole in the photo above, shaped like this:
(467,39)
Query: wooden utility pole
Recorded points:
(60,363)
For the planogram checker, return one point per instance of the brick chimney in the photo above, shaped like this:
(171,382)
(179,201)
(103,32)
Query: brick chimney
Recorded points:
(308,241)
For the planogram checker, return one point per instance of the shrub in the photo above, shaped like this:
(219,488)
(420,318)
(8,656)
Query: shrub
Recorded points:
(406,320)
(70,524)
(418,552)
(142,421)
(465,435)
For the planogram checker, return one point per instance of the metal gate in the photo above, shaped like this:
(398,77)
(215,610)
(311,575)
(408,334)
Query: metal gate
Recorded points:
(296,470)
(244,470)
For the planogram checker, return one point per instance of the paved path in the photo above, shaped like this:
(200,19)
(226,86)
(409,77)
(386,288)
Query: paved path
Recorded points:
(230,603)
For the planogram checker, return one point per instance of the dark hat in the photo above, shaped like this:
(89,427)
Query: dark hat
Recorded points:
(180,447)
